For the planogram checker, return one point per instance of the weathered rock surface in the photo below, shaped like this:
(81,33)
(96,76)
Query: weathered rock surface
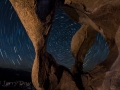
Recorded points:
(96,16)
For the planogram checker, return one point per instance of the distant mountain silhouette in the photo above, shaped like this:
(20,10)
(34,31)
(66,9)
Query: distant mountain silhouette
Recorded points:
(14,75)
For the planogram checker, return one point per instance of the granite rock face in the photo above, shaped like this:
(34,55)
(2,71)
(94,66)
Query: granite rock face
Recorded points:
(96,16)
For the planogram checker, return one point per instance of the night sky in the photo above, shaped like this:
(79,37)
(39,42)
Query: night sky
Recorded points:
(16,49)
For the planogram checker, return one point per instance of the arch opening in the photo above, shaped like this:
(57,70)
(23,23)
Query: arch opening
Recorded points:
(59,40)
(97,53)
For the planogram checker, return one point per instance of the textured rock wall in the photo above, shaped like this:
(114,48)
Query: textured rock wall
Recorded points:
(96,16)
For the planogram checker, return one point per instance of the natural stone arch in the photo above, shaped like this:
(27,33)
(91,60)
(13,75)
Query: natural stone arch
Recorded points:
(53,75)
(107,26)
(82,41)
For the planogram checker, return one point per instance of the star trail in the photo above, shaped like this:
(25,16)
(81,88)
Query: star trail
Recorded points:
(60,38)
(17,51)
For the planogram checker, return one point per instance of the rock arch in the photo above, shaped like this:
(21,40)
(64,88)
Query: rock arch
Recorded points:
(96,16)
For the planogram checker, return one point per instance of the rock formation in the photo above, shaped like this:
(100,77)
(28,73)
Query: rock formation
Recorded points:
(96,16)
(103,16)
